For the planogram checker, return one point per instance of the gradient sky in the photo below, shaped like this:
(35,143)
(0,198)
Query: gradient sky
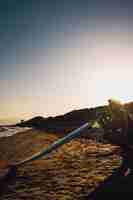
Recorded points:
(59,55)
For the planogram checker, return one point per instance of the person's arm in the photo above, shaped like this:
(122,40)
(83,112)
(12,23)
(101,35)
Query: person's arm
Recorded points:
(125,122)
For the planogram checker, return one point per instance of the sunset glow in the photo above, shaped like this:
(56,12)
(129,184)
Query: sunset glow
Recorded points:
(113,83)
(54,61)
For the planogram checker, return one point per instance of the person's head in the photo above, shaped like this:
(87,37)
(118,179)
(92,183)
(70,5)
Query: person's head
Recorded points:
(114,105)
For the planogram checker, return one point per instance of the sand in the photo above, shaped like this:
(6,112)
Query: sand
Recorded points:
(69,173)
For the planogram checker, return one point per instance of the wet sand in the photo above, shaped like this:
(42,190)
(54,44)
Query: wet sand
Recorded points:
(69,173)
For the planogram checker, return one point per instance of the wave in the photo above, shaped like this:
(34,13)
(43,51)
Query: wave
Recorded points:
(9,131)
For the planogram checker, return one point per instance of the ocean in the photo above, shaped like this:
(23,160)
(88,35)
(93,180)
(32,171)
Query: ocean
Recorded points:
(6,131)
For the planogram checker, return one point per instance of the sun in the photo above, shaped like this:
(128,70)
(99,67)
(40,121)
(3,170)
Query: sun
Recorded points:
(113,83)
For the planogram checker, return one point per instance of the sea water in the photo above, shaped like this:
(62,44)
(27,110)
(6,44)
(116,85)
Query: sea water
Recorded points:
(6,131)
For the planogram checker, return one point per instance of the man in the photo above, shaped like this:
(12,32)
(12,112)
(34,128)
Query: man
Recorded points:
(118,121)
(114,121)
(118,127)
(121,125)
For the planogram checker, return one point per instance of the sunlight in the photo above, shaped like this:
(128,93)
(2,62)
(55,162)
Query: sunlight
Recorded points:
(113,83)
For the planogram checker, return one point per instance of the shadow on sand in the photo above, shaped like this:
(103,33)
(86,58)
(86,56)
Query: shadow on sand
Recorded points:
(9,179)
(114,187)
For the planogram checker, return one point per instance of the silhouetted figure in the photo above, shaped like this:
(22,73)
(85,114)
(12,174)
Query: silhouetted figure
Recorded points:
(118,126)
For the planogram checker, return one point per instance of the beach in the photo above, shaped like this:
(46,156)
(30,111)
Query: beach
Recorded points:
(69,173)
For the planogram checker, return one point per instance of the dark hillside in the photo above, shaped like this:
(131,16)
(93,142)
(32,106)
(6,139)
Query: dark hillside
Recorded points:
(68,121)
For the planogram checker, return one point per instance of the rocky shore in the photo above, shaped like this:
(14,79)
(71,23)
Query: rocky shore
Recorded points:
(69,173)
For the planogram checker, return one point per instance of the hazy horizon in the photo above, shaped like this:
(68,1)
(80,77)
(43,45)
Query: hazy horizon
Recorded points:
(14,119)
(56,56)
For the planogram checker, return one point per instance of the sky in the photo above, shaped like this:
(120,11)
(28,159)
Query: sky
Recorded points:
(56,56)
